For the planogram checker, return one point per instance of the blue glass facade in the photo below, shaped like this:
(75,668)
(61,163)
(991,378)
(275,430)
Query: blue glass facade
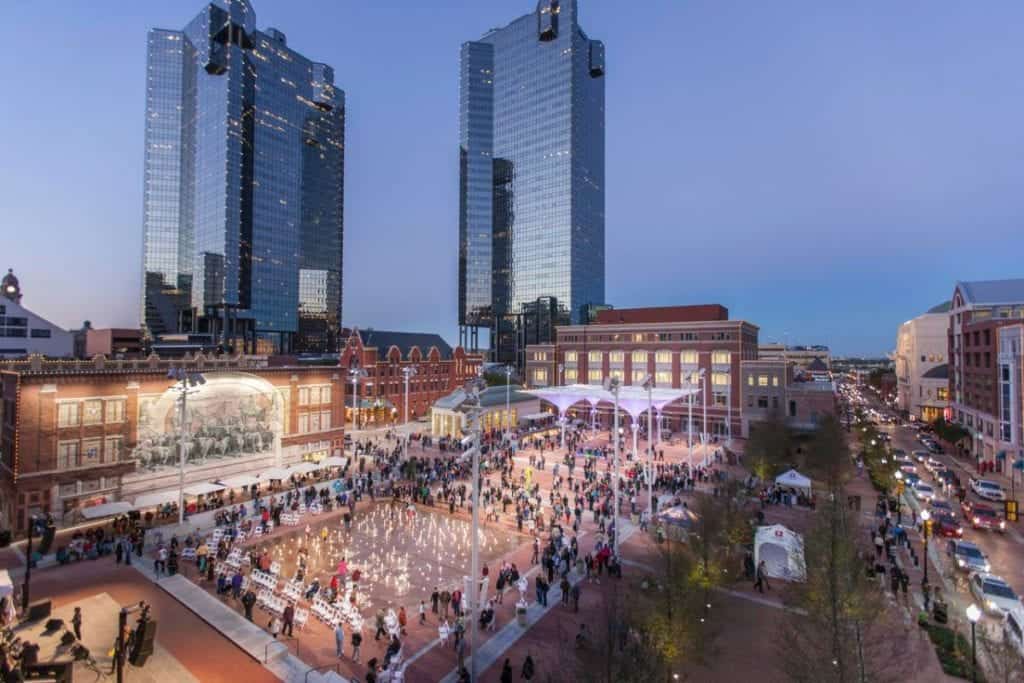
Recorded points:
(244,186)
(531,228)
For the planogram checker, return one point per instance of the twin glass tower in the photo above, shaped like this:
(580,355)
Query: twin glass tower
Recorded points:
(531,191)
(244,175)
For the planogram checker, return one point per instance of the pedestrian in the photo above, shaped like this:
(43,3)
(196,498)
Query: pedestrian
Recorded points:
(274,626)
(289,620)
(118,551)
(248,601)
(76,623)
(357,641)
(575,591)
(435,598)
(423,613)
(339,639)
(506,672)
(446,598)
(528,669)
(761,581)
(402,620)
(379,620)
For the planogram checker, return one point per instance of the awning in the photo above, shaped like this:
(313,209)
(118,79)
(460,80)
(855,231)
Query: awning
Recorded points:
(539,416)
(238,481)
(151,500)
(6,587)
(106,510)
(334,461)
(275,473)
(202,488)
(304,468)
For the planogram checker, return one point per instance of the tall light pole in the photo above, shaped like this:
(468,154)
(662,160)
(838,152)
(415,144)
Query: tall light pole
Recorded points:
(474,389)
(926,518)
(185,383)
(689,421)
(649,386)
(355,373)
(612,384)
(508,400)
(635,427)
(973,614)
(408,372)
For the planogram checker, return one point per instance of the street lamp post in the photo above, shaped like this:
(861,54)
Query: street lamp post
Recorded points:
(926,523)
(475,387)
(899,497)
(185,384)
(612,384)
(649,386)
(973,614)
(508,401)
(408,373)
(635,428)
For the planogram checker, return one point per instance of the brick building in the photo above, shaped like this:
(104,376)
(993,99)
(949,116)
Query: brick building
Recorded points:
(671,343)
(384,356)
(771,387)
(984,321)
(80,433)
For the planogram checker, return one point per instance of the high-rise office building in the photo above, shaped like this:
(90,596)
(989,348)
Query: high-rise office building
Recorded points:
(243,197)
(531,209)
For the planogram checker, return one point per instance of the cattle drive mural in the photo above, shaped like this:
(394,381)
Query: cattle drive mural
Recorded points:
(231,416)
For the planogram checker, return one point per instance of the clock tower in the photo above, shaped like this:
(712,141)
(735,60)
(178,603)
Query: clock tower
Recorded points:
(10,288)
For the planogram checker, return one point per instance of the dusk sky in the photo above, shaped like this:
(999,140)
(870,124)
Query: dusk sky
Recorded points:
(825,169)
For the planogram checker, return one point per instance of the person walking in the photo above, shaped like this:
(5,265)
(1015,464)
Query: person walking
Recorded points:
(379,620)
(446,598)
(528,669)
(248,601)
(289,620)
(423,613)
(76,623)
(761,581)
(339,639)
(435,599)
(357,641)
(506,672)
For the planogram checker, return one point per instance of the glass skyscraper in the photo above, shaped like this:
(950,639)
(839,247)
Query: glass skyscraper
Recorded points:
(531,209)
(244,173)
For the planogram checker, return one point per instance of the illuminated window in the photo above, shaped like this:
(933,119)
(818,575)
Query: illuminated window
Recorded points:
(639,376)
(595,376)
(594,357)
(616,357)
(775,380)
(570,375)
(540,376)
(762,380)
(67,414)
(639,357)
(663,378)
(720,379)
(663,357)
(617,373)
(540,355)
(571,356)
(720,357)
(750,380)
(688,357)
(92,412)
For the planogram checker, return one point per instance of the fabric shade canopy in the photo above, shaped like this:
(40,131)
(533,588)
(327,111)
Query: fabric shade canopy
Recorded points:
(782,551)
(334,461)
(6,586)
(793,479)
(238,481)
(150,500)
(303,468)
(275,473)
(539,416)
(633,399)
(106,510)
(202,488)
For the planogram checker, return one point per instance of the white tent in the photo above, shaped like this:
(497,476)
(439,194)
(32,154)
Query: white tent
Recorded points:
(106,510)
(304,468)
(794,480)
(275,473)
(151,500)
(334,461)
(202,488)
(238,481)
(782,551)
(6,586)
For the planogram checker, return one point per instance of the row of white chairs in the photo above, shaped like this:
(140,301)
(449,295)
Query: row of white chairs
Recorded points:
(290,519)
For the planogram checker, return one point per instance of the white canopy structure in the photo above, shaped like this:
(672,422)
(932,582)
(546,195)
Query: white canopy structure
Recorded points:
(538,416)
(794,480)
(238,481)
(275,473)
(304,468)
(6,586)
(202,488)
(151,500)
(334,461)
(106,510)
(782,551)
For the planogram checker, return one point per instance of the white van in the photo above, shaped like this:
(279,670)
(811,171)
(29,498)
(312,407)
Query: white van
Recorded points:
(1013,629)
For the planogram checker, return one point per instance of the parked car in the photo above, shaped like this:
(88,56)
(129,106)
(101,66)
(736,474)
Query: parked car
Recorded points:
(920,456)
(984,517)
(947,526)
(968,557)
(1013,629)
(994,594)
(987,489)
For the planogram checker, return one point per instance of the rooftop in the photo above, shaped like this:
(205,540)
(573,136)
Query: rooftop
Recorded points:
(938,372)
(663,314)
(405,341)
(992,292)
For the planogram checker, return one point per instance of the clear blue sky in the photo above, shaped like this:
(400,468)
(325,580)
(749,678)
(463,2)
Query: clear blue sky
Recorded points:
(824,169)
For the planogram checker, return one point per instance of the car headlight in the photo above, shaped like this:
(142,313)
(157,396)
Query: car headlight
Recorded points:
(960,562)
(991,604)
(1002,524)
(988,567)
(976,520)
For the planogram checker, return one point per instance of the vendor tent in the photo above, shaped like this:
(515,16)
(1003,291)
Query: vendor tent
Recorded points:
(202,488)
(275,473)
(334,461)
(304,468)
(782,551)
(794,480)
(6,585)
(106,510)
(678,522)
(151,500)
(238,481)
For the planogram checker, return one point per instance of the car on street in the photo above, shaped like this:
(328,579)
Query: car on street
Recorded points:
(968,557)
(947,526)
(911,479)
(923,491)
(1013,629)
(987,489)
(920,456)
(933,464)
(984,517)
(995,595)
(940,507)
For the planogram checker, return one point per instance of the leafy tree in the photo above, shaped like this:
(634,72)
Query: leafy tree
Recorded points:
(771,446)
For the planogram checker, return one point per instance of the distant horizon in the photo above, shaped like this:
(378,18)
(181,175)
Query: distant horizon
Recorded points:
(824,172)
